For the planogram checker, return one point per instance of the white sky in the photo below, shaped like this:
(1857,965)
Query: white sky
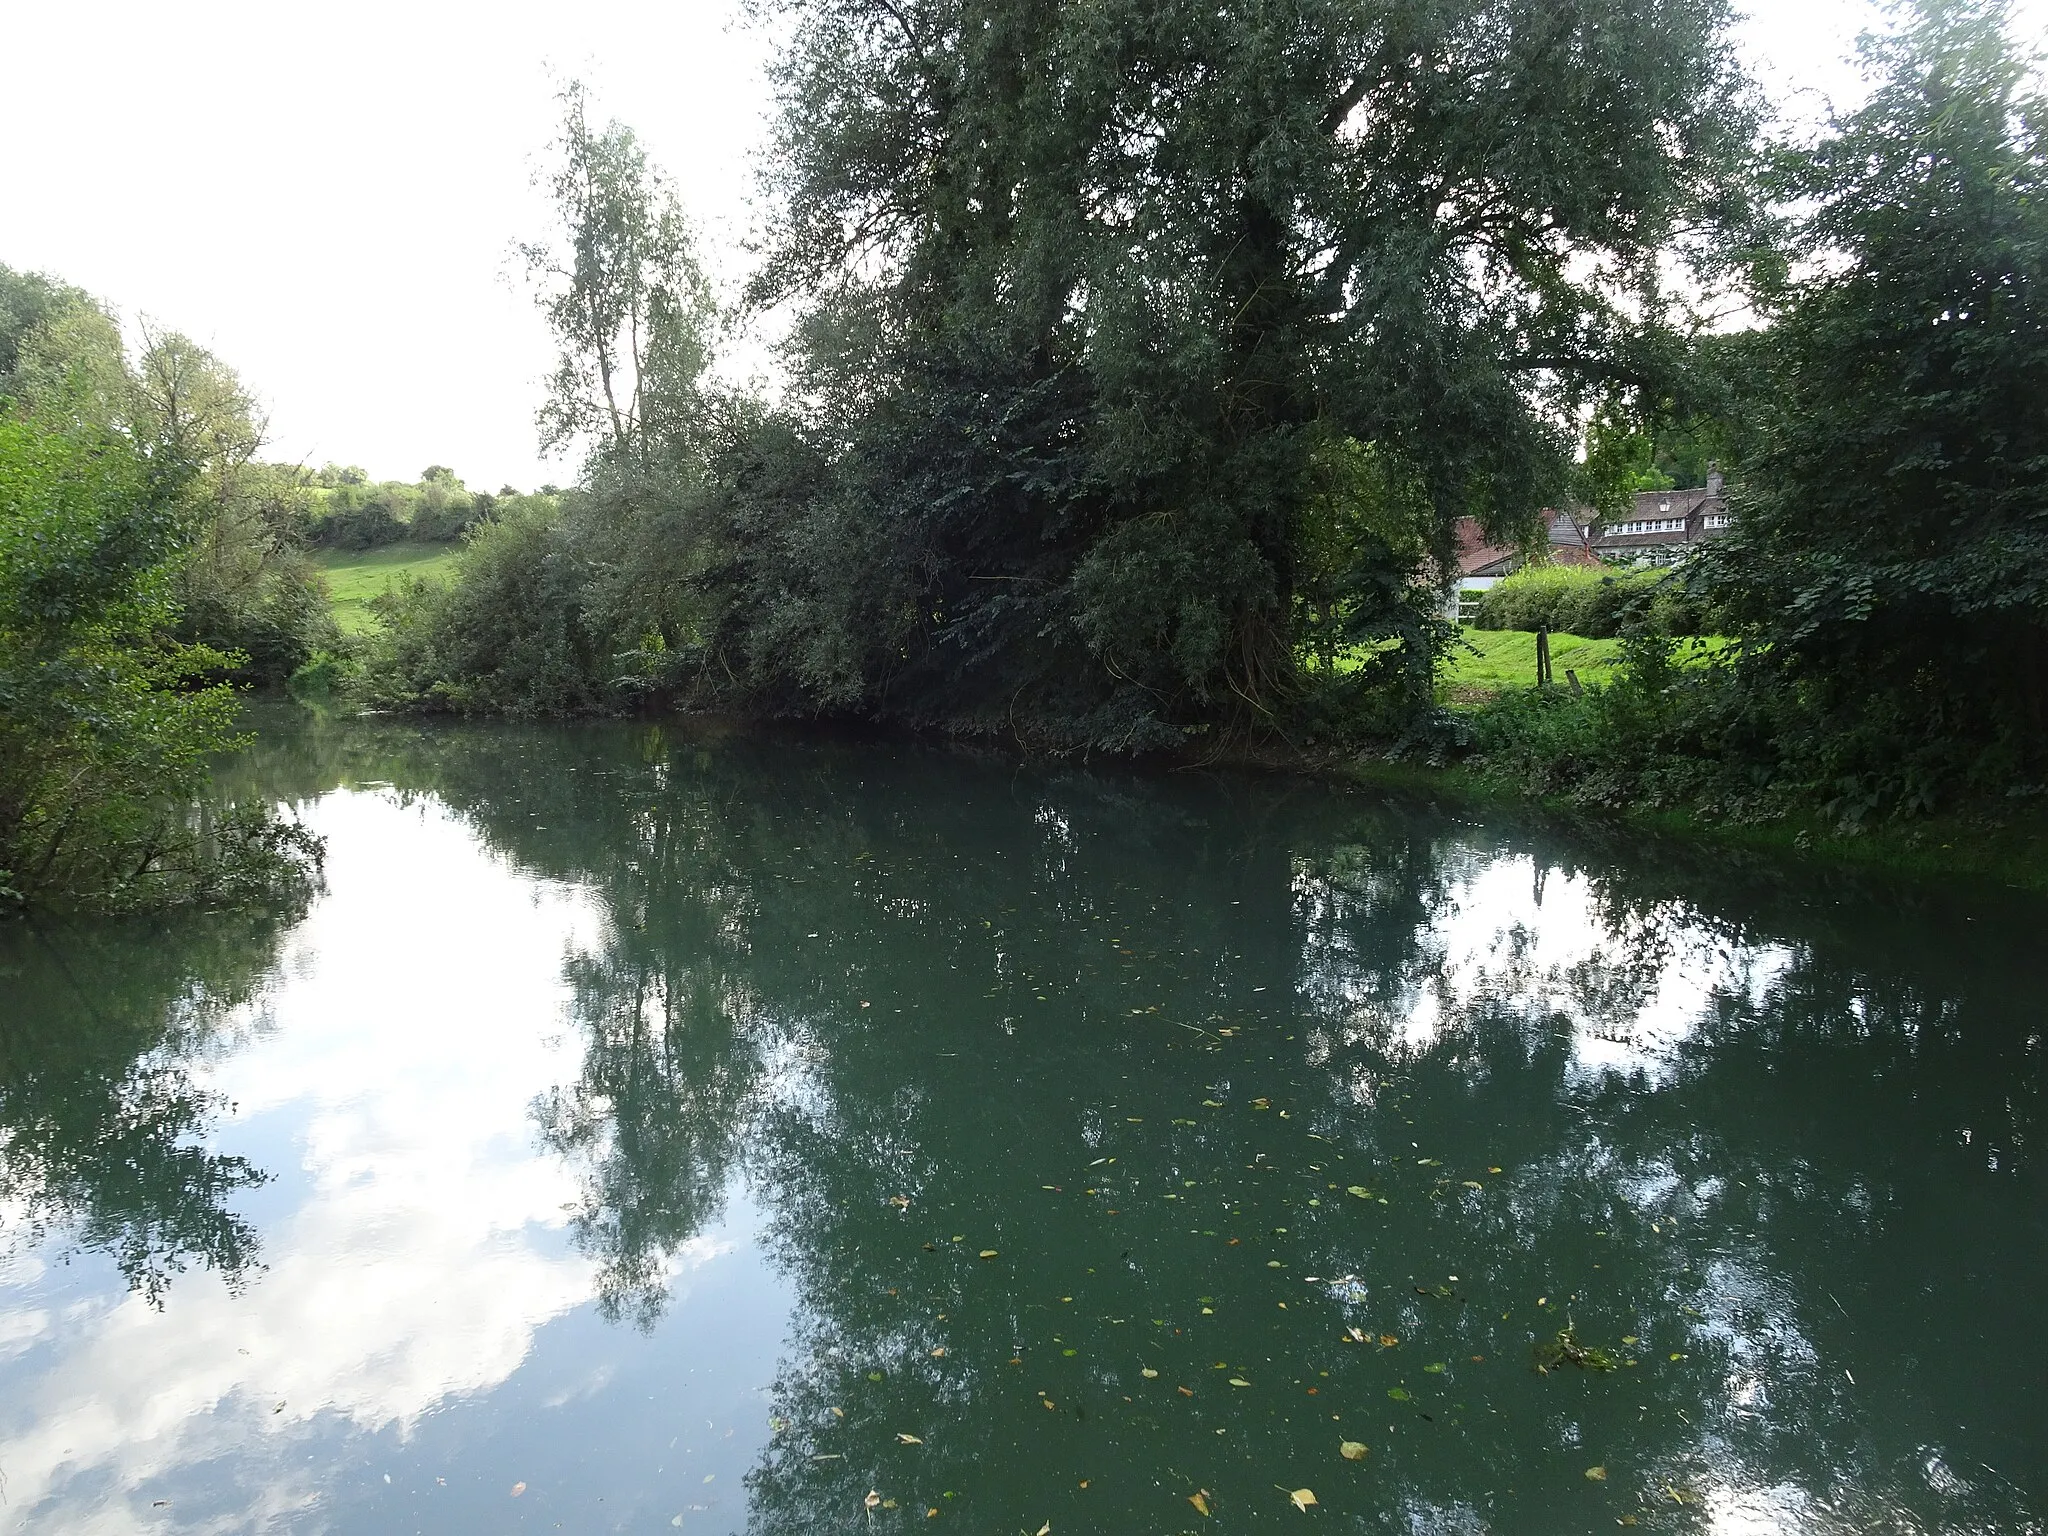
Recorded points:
(327,195)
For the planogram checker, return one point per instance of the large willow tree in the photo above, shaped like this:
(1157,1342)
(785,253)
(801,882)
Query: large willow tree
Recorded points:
(1100,304)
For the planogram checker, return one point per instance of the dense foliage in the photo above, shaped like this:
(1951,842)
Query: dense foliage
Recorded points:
(241,583)
(105,726)
(1104,311)
(137,543)
(1128,368)
(1888,574)
(1890,565)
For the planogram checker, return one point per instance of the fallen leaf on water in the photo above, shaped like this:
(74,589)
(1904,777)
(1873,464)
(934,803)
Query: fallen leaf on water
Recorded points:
(988,1253)
(1435,1368)
(1045,1529)
(1301,1499)
(939,1352)
(908,1440)
(1474,1184)
(1493,1170)
(1360,1191)
(1239,1381)
(1200,1501)
(1212,1103)
(838,1413)
(518,1489)
(1050,1405)
(874,1375)
(1148,1373)
(1388,1341)
(873,1500)
(1596,1474)
(1351,1450)
(931,1513)
(1398,1394)
(1184,1392)
(901,1202)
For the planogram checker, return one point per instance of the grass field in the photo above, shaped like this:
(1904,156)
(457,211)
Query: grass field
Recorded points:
(1489,660)
(356,576)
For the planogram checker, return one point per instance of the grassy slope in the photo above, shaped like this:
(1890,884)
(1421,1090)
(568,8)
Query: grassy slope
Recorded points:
(356,576)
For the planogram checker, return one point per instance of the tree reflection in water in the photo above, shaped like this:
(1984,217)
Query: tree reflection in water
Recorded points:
(102,1127)
(1717,1121)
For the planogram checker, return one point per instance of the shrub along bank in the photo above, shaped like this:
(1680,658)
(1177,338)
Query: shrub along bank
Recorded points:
(1597,604)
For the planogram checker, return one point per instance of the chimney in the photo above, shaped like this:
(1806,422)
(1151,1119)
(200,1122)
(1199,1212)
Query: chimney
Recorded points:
(1714,481)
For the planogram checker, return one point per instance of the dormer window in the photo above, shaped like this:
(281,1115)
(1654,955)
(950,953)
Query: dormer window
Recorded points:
(1664,505)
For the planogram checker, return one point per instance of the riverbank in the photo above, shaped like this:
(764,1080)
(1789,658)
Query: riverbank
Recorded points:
(2009,849)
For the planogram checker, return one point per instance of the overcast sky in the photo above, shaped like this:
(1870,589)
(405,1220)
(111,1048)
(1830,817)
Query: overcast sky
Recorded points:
(327,195)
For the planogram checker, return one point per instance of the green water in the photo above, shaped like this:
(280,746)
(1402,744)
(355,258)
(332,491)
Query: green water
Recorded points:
(650,1129)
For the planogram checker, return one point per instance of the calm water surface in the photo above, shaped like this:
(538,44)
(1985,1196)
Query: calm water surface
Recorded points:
(653,1130)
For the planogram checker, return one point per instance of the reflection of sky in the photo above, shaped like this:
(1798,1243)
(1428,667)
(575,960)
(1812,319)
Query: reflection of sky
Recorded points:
(413,1241)
(1513,936)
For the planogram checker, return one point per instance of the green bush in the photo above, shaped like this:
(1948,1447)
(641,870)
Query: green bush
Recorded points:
(1598,604)
(105,725)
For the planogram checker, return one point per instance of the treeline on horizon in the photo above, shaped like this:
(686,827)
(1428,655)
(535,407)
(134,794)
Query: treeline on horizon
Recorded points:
(1143,359)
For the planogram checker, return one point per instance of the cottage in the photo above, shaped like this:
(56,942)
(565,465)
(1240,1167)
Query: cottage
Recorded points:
(1660,528)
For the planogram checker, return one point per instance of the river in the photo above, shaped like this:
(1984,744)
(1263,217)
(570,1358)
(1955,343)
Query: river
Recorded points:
(657,1127)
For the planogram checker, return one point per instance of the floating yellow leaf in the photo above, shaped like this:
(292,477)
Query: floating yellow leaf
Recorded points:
(1148,1373)
(1239,1381)
(1360,1191)
(1474,1184)
(1301,1499)
(1200,1501)
(908,1440)
(988,1253)
(1596,1474)
(873,1500)
(1388,1341)
(518,1489)
(1351,1450)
